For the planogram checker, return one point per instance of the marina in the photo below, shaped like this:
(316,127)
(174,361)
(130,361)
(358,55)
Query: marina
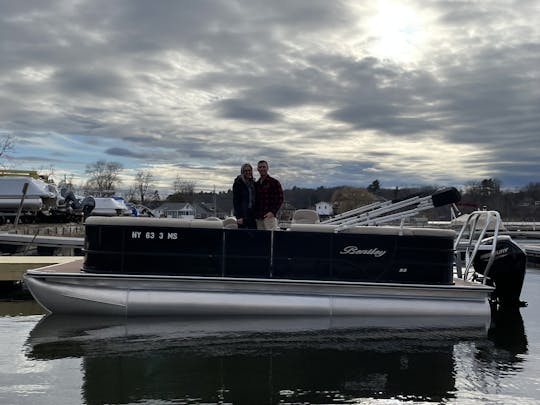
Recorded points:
(246,356)
(261,203)
(373,335)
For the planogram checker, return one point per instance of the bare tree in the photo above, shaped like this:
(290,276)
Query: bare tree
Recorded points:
(155,196)
(142,186)
(183,186)
(47,173)
(6,146)
(104,178)
(130,195)
(67,182)
(184,190)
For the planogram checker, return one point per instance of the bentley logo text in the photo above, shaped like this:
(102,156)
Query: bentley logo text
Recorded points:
(354,250)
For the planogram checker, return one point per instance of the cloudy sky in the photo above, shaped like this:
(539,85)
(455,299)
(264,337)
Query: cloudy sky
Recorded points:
(329,92)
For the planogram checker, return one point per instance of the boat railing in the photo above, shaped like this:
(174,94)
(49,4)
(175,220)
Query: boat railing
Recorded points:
(479,233)
(389,211)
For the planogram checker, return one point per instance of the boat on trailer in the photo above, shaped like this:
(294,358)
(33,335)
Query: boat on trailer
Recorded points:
(351,265)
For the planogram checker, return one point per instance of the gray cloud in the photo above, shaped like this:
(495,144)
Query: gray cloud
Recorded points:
(124,152)
(212,84)
(242,110)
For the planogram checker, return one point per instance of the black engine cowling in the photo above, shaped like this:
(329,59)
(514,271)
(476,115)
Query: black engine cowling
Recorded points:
(506,273)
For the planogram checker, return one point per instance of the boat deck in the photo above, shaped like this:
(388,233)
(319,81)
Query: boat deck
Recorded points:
(464,283)
(75,266)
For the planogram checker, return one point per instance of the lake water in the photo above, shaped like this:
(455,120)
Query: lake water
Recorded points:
(63,360)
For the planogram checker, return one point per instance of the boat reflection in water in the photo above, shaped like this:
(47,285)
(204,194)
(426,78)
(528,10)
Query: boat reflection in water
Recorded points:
(244,360)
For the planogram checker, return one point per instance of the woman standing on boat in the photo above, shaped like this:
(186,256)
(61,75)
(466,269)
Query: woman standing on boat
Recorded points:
(244,198)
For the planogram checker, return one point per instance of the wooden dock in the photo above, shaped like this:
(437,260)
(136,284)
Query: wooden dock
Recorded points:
(533,254)
(45,244)
(43,240)
(12,268)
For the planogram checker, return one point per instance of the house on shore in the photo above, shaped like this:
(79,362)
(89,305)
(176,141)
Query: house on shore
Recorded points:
(324,209)
(169,209)
(186,210)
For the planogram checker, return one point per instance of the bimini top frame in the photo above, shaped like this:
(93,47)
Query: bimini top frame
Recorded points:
(387,211)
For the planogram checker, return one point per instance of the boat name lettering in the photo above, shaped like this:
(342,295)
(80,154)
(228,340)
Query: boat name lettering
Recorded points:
(354,250)
(154,235)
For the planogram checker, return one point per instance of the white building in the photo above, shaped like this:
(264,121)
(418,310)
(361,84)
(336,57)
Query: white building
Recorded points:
(182,210)
(324,208)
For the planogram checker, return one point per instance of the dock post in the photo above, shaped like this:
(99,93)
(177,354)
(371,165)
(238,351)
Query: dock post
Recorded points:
(24,191)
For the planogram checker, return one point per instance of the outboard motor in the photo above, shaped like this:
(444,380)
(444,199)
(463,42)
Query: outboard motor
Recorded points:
(506,273)
(88,205)
(70,199)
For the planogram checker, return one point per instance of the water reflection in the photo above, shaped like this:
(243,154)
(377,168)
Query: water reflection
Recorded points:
(508,331)
(315,360)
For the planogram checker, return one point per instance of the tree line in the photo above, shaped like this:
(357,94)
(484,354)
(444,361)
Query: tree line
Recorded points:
(517,205)
(514,205)
(104,180)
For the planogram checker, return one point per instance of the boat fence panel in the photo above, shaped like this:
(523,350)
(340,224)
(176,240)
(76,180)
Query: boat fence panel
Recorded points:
(375,254)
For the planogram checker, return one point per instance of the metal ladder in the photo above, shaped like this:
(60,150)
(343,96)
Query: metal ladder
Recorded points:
(479,233)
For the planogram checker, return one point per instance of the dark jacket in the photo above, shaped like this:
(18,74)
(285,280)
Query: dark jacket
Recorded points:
(269,196)
(243,206)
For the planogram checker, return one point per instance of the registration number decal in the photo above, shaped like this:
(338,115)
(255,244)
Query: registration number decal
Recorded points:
(154,235)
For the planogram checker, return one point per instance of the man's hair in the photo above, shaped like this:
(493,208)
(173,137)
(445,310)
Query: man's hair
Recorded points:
(262,161)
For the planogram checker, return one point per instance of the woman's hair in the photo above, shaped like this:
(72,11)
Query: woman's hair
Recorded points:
(244,166)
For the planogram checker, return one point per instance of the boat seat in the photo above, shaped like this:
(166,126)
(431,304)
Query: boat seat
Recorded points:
(397,230)
(230,223)
(304,216)
(375,230)
(160,222)
(368,230)
(205,223)
(328,228)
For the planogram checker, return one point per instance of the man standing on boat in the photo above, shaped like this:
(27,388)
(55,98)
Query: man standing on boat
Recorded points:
(244,198)
(268,200)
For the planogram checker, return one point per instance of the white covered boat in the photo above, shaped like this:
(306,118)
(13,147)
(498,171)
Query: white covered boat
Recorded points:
(158,267)
(106,206)
(26,193)
(26,196)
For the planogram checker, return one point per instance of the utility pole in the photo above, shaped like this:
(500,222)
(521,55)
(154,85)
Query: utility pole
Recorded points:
(215,201)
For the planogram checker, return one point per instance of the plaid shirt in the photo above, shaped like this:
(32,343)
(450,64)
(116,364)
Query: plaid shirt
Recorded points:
(268,197)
